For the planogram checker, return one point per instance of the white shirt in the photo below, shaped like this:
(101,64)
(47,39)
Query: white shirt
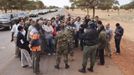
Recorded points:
(48,31)
(109,33)
(57,23)
(47,28)
(15,30)
(33,31)
(24,32)
(29,30)
(78,24)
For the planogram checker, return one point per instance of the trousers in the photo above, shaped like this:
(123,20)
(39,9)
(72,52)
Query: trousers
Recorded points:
(17,50)
(108,49)
(117,44)
(36,60)
(89,52)
(25,58)
(101,56)
(60,53)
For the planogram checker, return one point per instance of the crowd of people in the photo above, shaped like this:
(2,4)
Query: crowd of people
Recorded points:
(59,36)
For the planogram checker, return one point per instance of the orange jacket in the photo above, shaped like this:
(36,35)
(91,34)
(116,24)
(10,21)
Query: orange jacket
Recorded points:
(35,36)
(36,49)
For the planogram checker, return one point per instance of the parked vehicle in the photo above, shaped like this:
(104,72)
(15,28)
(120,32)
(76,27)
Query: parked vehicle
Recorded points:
(43,11)
(22,15)
(33,13)
(6,21)
(53,10)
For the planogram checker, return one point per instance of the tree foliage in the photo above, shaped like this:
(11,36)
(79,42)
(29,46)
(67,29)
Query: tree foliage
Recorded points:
(86,4)
(72,7)
(107,4)
(21,4)
(128,6)
(66,7)
(101,4)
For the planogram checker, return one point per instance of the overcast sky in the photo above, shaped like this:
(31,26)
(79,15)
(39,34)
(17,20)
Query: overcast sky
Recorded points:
(62,3)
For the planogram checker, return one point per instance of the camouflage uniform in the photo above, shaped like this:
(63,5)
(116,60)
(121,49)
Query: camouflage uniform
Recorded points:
(70,30)
(62,48)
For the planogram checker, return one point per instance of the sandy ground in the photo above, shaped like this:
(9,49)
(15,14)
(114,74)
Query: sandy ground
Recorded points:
(125,61)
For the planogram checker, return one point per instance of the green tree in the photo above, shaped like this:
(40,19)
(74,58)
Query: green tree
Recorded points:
(66,7)
(128,6)
(72,7)
(86,4)
(40,4)
(102,4)
(21,4)
(4,4)
(106,5)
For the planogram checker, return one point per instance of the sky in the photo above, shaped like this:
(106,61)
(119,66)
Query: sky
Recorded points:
(122,2)
(62,3)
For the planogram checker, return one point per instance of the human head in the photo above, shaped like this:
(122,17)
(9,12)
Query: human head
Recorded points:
(78,19)
(53,23)
(49,23)
(45,21)
(87,17)
(57,17)
(53,19)
(102,28)
(72,21)
(20,28)
(41,18)
(62,24)
(108,26)
(40,22)
(68,22)
(117,24)
(69,15)
(33,23)
(21,22)
(27,22)
(96,18)
(30,20)
(99,22)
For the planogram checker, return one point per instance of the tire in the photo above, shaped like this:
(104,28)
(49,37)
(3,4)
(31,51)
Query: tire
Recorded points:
(1,28)
(9,28)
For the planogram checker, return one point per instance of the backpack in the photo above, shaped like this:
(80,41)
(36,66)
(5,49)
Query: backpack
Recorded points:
(35,40)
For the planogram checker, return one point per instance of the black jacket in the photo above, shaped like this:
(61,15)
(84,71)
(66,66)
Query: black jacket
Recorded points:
(119,32)
(22,42)
(90,37)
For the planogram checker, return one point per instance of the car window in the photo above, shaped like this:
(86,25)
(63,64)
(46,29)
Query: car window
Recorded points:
(5,16)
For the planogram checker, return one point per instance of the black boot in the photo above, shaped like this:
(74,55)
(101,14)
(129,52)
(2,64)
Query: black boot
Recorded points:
(57,66)
(90,69)
(83,70)
(67,66)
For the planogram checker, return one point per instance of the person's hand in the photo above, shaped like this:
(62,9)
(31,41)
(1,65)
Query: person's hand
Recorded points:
(29,45)
(12,40)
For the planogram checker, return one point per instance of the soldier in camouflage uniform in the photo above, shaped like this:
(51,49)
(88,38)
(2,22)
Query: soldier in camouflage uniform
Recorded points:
(62,47)
(71,29)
